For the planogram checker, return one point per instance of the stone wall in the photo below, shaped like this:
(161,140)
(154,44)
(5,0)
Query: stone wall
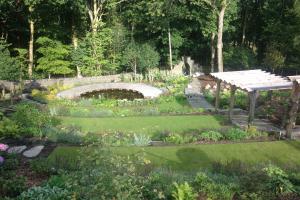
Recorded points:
(43,83)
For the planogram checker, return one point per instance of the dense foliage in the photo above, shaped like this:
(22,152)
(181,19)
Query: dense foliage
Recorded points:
(103,37)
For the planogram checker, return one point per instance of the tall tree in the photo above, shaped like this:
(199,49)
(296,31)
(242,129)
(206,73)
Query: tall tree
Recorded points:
(55,57)
(31,5)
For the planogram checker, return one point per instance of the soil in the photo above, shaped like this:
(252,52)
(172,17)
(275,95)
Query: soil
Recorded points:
(32,178)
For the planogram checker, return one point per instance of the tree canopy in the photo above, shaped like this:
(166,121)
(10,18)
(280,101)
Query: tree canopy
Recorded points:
(93,37)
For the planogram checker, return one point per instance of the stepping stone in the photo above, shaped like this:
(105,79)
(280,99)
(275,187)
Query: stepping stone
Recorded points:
(16,149)
(33,152)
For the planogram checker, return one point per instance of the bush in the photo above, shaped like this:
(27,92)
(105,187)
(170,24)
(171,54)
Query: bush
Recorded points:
(211,136)
(11,185)
(278,180)
(9,129)
(105,175)
(252,132)
(235,134)
(32,120)
(224,188)
(70,134)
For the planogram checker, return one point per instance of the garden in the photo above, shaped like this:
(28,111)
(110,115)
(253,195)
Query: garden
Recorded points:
(161,148)
(69,131)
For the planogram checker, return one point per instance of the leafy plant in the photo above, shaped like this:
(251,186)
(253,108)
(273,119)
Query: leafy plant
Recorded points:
(175,138)
(278,180)
(252,132)
(211,136)
(46,193)
(141,140)
(9,128)
(183,192)
(235,134)
(214,189)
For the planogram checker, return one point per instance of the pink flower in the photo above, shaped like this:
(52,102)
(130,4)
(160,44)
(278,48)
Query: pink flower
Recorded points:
(3,147)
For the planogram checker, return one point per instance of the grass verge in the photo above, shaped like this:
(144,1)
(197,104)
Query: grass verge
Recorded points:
(196,157)
(145,124)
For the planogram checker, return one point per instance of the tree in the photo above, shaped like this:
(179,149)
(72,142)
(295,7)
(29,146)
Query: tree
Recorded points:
(54,57)
(222,5)
(90,54)
(149,58)
(9,66)
(140,58)
(273,59)
(31,4)
(131,56)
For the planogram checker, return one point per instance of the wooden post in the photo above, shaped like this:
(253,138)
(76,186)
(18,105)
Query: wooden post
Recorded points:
(231,103)
(217,102)
(294,108)
(252,101)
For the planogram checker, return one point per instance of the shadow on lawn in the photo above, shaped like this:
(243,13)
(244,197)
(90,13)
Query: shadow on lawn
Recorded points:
(192,158)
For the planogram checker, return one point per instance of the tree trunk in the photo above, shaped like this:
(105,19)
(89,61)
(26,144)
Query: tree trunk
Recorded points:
(30,51)
(170,50)
(75,45)
(231,103)
(213,51)
(134,69)
(220,38)
(244,27)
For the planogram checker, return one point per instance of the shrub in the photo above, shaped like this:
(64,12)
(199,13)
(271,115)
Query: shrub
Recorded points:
(278,180)
(183,192)
(105,175)
(9,128)
(11,185)
(211,136)
(32,120)
(252,132)
(235,134)
(214,189)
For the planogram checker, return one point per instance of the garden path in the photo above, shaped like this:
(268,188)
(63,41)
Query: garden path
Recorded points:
(195,97)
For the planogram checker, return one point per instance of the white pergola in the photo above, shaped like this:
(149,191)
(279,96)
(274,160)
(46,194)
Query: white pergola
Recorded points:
(294,106)
(251,81)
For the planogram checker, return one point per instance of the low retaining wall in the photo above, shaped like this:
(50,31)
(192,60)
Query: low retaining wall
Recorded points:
(62,81)
(146,90)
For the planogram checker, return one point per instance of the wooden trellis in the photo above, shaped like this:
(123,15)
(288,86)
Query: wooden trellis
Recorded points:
(294,105)
(251,81)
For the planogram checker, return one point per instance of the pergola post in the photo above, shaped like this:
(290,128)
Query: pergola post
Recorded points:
(293,110)
(231,103)
(252,102)
(218,91)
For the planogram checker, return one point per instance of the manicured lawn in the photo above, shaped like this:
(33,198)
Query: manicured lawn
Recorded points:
(195,157)
(146,124)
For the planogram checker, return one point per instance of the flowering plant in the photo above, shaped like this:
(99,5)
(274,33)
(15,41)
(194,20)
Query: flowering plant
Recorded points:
(3,148)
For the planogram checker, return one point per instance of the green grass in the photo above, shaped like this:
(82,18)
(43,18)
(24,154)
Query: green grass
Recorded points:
(196,157)
(146,124)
